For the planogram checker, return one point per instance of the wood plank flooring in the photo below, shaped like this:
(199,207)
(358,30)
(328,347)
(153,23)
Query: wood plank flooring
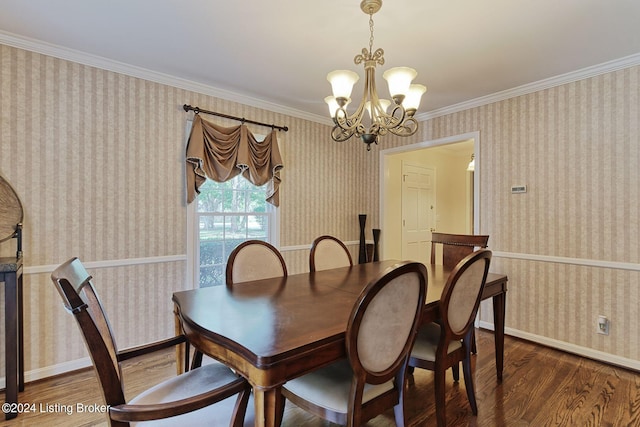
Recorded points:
(541,387)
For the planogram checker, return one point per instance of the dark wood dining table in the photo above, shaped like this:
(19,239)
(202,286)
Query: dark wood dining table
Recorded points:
(273,330)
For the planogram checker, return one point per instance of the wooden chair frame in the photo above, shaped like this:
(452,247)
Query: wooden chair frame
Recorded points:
(444,359)
(80,298)
(456,246)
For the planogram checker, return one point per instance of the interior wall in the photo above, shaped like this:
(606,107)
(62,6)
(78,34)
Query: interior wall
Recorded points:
(570,244)
(97,159)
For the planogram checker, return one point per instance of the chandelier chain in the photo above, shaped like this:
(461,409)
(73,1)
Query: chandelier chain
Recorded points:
(371,31)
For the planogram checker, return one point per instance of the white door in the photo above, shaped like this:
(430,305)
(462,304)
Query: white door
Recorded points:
(418,211)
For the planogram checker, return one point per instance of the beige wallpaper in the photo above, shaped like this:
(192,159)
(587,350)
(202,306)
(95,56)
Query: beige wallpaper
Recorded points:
(577,148)
(97,158)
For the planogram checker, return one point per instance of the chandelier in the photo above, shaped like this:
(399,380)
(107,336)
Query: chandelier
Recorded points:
(406,96)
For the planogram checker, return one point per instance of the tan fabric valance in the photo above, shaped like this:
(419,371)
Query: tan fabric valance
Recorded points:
(221,153)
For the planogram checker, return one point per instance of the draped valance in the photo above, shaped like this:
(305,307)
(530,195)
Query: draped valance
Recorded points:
(220,153)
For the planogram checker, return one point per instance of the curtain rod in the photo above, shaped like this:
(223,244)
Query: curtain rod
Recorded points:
(226,116)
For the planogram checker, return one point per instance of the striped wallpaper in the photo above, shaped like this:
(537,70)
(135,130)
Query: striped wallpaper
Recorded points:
(577,148)
(97,159)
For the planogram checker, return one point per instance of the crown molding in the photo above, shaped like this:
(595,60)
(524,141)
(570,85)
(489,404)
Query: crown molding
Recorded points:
(56,51)
(573,76)
(79,57)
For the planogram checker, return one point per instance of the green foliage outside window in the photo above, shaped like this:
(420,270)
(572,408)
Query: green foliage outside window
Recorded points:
(228,214)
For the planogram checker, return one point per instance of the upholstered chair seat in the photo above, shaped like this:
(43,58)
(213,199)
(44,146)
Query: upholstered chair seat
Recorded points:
(329,387)
(427,340)
(193,382)
(379,337)
(439,346)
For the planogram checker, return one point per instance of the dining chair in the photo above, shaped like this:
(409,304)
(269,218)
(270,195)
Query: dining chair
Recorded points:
(254,260)
(328,252)
(379,336)
(188,398)
(443,344)
(454,248)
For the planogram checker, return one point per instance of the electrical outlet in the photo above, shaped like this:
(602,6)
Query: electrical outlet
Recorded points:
(602,325)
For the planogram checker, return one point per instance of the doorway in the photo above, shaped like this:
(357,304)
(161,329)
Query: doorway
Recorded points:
(456,191)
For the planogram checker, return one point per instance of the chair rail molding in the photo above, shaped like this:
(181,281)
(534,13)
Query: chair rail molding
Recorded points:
(37,269)
(567,260)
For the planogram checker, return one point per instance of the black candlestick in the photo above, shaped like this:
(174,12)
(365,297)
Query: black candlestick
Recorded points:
(376,240)
(362,255)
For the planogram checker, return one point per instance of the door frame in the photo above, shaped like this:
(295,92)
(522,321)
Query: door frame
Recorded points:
(384,154)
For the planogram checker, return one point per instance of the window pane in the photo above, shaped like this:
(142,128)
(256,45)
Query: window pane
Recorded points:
(210,227)
(256,200)
(235,227)
(258,227)
(237,202)
(212,253)
(212,276)
(210,198)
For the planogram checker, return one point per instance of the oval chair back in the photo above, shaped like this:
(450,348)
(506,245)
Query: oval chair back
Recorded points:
(328,252)
(254,260)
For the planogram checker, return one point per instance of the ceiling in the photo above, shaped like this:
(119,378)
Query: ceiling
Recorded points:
(278,52)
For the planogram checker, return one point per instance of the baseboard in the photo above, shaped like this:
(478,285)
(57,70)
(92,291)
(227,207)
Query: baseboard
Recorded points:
(601,356)
(51,371)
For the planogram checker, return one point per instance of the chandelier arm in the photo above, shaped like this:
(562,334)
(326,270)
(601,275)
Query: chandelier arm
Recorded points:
(347,122)
(408,128)
(340,135)
(391,121)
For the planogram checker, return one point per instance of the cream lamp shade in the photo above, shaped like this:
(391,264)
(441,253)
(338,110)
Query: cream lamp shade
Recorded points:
(342,82)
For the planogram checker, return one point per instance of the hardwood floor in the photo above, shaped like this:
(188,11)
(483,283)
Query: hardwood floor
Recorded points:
(541,387)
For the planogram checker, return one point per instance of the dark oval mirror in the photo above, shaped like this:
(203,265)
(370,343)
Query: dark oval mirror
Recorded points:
(11,212)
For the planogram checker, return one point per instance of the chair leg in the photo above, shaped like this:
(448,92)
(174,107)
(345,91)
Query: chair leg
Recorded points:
(468,384)
(441,410)
(399,409)
(240,409)
(474,350)
(455,370)
(197,359)
(398,412)
(279,405)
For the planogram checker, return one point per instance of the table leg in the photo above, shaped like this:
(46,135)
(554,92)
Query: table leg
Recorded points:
(269,407)
(498,322)
(20,334)
(181,349)
(11,341)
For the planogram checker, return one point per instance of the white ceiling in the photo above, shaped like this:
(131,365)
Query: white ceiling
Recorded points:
(279,51)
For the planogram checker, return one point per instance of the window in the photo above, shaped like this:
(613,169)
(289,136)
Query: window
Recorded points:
(228,214)
(224,215)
